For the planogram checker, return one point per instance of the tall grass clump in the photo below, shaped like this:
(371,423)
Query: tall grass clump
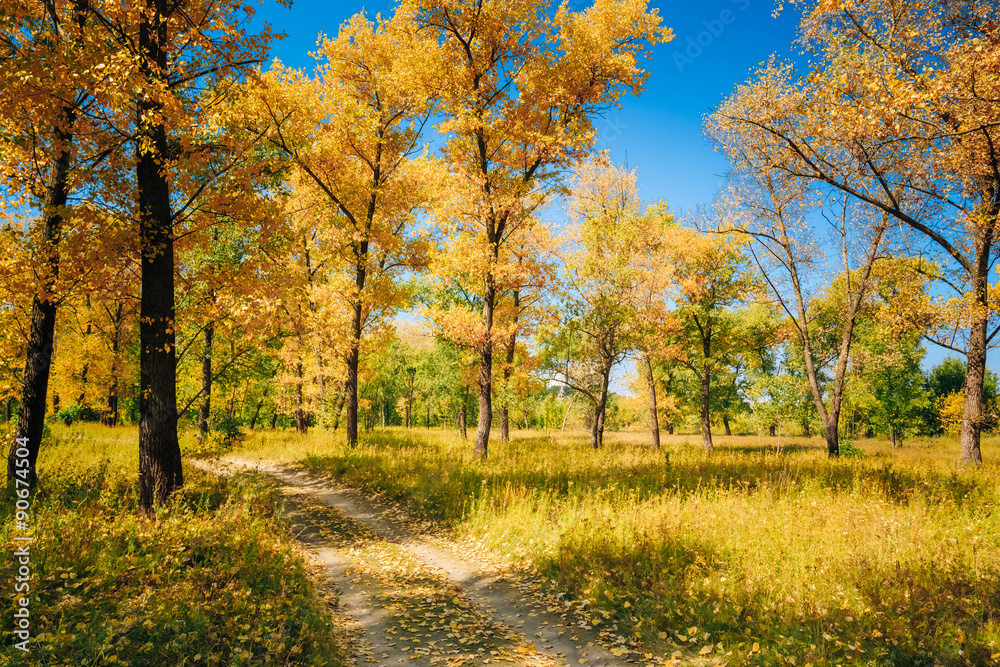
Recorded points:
(755,555)
(212,579)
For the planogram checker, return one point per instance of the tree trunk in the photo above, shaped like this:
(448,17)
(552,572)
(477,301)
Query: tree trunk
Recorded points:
(975,373)
(654,421)
(110,416)
(353,359)
(300,414)
(770,430)
(205,409)
(462,417)
(508,370)
(832,434)
(481,449)
(256,412)
(274,419)
(81,400)
(38,362)
(725,423)
(597,429)
(160,472)
(504,424)
(566,414)
(31,416)
(706,422)
(341,399)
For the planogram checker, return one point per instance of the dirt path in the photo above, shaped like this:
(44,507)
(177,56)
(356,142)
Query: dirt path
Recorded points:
(414,598)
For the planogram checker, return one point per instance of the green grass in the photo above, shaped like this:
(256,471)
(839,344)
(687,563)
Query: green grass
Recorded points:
(775,558)
(212,580)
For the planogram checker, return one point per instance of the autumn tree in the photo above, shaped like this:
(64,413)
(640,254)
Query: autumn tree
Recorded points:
(709,279)
(654,326)
(518,85)
(897,112)
(774,212)
(227,284)
(610,246)
(178,62)
(44,48)
(353,133)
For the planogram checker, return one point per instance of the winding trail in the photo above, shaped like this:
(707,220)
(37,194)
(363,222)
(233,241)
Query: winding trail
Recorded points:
(416,600)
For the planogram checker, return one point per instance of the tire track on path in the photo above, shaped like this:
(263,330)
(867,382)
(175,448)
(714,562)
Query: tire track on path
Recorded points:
(403,588)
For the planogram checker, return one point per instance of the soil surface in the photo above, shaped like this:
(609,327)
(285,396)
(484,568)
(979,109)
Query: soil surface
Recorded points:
(414,599)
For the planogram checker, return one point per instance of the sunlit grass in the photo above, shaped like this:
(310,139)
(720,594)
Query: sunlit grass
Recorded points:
(889,559)
(213,580)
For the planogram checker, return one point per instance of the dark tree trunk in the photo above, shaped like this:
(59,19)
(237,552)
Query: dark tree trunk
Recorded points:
(353,360)
(462,417)
(725,423)
(31,417)
(7,410)
(508,370)
(770,430)
(670,428)
(654,421)
(205,410)
(38,363)
(274,420)
(706,422)
(110,416)
(160,472)
(341,399)
(597,428)
(300,413)
(481,449)
(975,372)
(256,412)
(832,434)
(81,400)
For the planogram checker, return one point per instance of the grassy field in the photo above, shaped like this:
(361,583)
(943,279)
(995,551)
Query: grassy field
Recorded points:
(752,556)
(213,580)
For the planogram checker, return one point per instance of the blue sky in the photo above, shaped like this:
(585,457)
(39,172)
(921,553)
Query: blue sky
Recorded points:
(716,46)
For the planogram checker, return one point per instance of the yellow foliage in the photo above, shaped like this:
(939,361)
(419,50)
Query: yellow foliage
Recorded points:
(951,409)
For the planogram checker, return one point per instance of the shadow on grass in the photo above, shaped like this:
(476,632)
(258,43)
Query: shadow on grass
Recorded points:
(919,614)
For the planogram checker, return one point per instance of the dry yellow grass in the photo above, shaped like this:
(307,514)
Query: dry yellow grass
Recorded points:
(889,559)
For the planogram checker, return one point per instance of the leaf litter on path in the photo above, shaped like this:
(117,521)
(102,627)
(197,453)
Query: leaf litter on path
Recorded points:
(415,601)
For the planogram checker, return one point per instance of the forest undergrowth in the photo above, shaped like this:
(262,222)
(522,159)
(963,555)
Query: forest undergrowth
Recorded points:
(754,555)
